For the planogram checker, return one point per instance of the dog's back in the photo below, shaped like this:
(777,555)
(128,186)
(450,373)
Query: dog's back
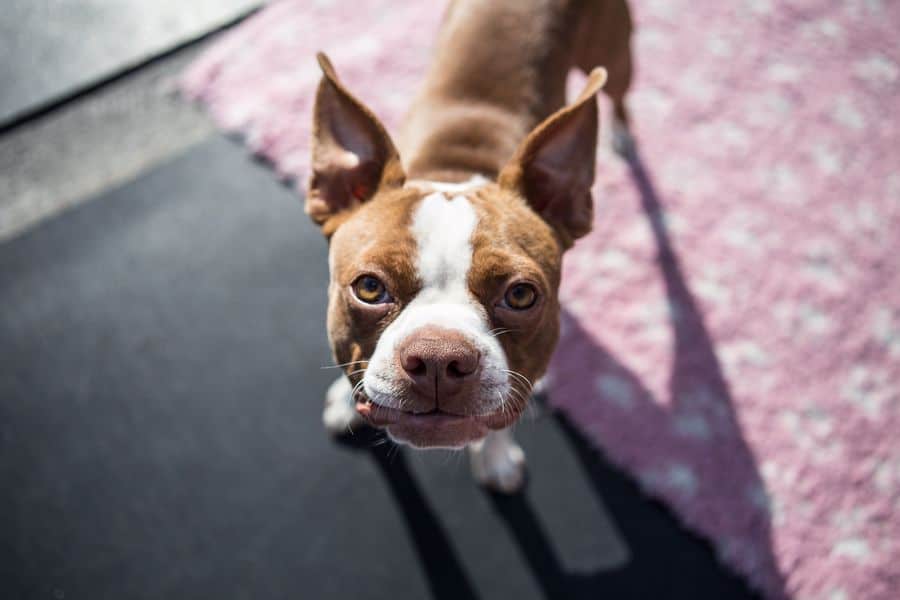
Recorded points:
(500,68)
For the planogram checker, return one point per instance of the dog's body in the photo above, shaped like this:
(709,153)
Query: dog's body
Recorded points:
(500,68)
(445,265)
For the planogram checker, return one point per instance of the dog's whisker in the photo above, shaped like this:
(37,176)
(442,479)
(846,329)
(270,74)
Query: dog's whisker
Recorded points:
(521,388)
(501,331)
(506,408)
(516,403)
(342,365)
(515,377)
(520,377)
(516,373)
(521,394)
(356,390)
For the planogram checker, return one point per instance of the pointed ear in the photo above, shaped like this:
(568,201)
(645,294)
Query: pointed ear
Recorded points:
(352,154)
(553,169)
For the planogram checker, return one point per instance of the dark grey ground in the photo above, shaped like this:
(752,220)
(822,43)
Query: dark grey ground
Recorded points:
(160,380)
(98,141)
(50,48)
(160,437)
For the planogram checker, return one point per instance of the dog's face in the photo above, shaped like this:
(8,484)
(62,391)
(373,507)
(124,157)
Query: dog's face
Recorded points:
(443,297)
(450,299)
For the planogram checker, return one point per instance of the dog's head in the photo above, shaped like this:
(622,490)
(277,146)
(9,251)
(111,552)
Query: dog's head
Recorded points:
(443,297)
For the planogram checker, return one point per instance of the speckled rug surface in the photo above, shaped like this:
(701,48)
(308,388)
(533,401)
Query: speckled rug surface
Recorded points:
(732,326)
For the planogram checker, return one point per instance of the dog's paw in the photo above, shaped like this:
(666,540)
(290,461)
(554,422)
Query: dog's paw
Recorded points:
(623,142)
(498,463)
(339,415)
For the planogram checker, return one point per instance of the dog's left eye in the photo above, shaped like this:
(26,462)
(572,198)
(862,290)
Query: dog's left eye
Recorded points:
(370,290)
(520,296)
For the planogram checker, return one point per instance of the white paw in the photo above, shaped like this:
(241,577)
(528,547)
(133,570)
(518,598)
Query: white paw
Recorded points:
(623,142)
(340,415)
(498,462)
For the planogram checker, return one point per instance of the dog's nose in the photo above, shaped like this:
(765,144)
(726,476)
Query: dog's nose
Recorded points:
(440,363)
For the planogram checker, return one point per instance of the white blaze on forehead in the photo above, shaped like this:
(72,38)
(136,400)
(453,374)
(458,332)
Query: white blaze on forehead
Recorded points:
(443,229)
(473,183)
(443,232)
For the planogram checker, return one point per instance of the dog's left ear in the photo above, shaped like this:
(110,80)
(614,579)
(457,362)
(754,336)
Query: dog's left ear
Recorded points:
(554,167)
(352,154)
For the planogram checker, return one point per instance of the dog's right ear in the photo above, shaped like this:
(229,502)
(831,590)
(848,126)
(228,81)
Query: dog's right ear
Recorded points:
(352,154)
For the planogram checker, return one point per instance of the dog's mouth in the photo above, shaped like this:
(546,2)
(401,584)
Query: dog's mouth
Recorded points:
(434,429)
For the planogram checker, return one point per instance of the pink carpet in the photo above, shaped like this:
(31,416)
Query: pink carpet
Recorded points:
(732,326)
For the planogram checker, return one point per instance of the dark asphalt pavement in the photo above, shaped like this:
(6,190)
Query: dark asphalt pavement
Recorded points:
(160,395)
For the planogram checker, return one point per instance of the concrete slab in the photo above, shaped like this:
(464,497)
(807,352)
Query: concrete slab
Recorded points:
(160,436)
(98,141)
(48,48)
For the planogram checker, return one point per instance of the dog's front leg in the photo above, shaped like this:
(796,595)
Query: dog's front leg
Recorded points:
(340,415)
(498,462)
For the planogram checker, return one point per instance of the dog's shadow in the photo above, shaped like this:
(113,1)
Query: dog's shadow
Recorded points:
(695,367)
(444,573)
(711,464)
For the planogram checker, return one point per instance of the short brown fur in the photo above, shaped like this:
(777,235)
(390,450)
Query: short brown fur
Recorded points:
(499,69)
(491,105)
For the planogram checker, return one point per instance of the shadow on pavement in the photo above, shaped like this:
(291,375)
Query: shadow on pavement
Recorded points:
(666,560)
(443,570)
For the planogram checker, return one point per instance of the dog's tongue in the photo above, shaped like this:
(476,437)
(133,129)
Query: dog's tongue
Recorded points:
(376,415)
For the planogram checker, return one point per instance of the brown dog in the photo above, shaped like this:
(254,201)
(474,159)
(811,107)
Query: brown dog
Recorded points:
(445,263)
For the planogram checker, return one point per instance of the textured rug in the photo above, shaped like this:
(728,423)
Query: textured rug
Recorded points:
(732,326)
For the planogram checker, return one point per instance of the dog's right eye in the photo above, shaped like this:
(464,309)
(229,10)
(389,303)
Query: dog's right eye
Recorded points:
(370,290)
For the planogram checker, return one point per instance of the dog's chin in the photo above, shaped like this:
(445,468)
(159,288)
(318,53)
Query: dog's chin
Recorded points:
(435,429)
(453,435)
